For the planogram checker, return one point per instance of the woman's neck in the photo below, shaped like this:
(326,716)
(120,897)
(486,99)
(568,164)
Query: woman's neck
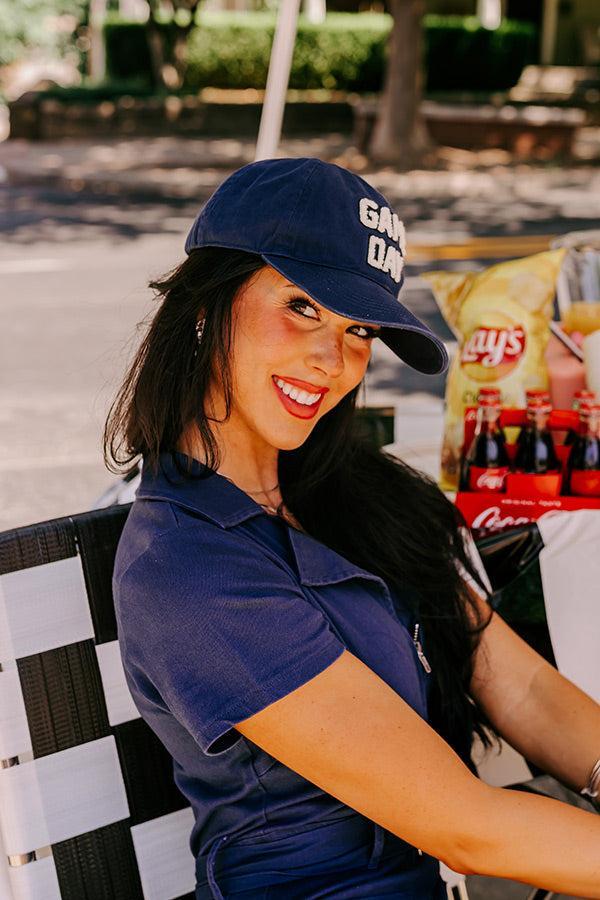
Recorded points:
(253,470)
(254,473)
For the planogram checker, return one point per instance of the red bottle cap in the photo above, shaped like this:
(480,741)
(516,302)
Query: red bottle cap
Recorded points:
(531,393)
(488,392)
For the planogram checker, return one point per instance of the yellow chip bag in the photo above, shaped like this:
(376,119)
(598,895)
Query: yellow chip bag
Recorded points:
(501,318)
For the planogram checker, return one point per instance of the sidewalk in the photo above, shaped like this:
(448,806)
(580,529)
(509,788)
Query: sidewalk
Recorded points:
(185,167)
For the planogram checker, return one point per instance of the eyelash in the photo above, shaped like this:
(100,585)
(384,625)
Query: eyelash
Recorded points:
(302,301)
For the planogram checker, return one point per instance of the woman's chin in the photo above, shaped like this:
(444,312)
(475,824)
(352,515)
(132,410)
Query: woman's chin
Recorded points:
(290,438)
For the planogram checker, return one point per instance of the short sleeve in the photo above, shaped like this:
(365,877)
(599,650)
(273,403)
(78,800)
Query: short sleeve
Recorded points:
(221,628)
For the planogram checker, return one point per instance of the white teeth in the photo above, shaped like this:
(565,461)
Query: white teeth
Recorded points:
(296,394)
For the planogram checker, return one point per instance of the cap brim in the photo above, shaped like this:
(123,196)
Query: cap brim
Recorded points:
(363,300)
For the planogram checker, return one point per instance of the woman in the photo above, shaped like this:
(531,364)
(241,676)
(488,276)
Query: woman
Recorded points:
(299,621)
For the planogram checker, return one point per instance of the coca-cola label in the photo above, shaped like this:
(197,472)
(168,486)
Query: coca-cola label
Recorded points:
(585,483)
(493,347)
(492,480)
(493,518)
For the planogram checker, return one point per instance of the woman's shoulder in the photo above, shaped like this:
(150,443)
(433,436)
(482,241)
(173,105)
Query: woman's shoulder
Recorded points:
(162,543)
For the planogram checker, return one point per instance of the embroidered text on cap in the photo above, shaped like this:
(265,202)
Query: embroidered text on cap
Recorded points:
(380,254)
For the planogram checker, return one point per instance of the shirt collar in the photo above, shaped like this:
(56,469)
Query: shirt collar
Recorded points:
(223,503)
(207,492)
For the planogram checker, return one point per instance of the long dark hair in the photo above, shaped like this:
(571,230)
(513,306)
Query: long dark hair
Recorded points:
(370,507)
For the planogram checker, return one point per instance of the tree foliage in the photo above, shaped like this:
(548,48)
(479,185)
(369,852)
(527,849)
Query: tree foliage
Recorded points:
(29,25)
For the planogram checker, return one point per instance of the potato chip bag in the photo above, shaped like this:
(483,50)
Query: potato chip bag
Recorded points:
(501,318)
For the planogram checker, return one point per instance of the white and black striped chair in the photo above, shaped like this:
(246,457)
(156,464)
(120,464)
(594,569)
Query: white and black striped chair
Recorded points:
(88,806)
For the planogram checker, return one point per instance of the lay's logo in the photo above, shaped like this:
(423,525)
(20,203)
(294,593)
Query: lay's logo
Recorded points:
(497,349)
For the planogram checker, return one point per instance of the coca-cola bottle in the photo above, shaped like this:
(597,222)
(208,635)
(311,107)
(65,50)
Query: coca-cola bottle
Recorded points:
(583,467)
(531,394)
(485,464)
(536,394)
(535,452)
(492,393)
(580,398)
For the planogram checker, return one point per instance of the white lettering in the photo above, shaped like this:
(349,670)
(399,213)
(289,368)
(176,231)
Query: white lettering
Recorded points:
(381,255)
(385,222)
(400,264)
(491,480)
(368,212)
(376,252)
(496,345)
(389,263)
(516,339)
(492,518)
(399,233)
(490,346)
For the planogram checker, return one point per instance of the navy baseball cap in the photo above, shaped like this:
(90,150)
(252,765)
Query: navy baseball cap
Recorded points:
(330,233)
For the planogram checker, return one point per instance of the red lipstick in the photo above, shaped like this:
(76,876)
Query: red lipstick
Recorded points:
(299,410)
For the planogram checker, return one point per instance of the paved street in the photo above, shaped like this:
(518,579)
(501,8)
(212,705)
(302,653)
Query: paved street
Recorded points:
(74,264)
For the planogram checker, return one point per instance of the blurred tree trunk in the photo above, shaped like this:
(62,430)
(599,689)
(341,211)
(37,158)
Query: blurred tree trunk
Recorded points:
(168,45)
(399,135)
(96,54)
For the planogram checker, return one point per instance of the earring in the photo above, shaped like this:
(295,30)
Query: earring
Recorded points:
(200,329)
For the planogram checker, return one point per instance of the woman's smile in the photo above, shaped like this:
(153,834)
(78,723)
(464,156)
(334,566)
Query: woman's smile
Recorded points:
(311,358)
(299,398)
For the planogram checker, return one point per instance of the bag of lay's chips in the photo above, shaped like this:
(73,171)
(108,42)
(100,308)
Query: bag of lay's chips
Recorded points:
(501,318)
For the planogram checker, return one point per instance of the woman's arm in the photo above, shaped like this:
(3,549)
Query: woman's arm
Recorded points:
(350,733)
(536,709)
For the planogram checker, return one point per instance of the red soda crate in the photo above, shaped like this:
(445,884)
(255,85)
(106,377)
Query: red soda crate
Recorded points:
(527,497)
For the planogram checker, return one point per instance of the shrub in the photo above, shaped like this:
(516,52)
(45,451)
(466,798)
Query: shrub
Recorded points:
(127,53)
(346,52)
(461,55)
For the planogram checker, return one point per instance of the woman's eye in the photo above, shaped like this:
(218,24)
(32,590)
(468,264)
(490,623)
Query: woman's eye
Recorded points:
(364,331)
(303,307)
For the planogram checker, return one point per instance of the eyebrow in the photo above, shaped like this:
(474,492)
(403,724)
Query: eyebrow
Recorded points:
(365,324)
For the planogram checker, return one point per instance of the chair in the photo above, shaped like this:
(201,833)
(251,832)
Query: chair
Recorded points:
(88,805)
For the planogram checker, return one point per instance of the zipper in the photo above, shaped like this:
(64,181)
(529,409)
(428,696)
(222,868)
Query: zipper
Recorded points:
(419,649)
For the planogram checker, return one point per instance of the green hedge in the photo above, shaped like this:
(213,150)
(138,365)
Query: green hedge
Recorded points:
(343,53)
(461,55)
(346,52)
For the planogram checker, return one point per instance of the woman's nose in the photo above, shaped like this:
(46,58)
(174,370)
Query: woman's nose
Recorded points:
(327,354)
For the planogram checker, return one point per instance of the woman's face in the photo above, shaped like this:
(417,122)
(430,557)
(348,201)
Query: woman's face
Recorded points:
(292,361)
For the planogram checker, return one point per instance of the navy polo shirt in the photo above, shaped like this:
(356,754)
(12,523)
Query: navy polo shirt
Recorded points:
(223,609)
